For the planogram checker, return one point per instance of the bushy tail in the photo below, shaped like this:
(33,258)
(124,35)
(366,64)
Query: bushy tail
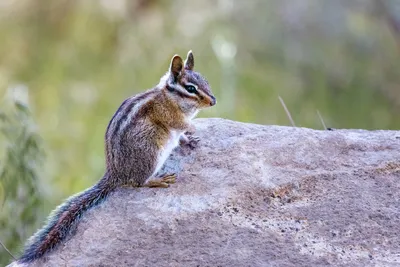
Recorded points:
(64,219)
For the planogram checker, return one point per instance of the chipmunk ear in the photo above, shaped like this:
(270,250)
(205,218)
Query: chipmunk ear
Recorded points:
(176,66)
(189,62)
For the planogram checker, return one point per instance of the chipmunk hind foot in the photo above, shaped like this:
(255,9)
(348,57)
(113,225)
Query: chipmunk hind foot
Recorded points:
(162,182)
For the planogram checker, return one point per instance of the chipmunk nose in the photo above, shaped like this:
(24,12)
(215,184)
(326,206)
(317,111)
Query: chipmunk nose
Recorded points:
(213,101)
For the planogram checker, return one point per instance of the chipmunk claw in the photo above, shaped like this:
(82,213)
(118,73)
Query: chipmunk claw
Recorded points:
(169,178)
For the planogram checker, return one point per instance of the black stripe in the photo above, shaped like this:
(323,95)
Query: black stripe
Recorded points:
(170,88)
(127,110)
(123,117)
(115,114)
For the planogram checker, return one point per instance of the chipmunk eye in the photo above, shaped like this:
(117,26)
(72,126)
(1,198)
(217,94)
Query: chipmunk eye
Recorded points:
(190,88)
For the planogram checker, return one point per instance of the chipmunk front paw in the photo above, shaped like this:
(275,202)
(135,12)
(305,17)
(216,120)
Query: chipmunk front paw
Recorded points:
(193,141)
(188,139)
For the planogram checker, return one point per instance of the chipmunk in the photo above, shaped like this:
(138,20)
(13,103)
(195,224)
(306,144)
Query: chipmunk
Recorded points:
(139,138)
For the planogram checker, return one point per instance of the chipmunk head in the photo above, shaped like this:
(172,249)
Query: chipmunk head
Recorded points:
(188,88)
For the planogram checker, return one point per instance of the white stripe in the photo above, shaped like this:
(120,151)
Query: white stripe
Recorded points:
(132,113)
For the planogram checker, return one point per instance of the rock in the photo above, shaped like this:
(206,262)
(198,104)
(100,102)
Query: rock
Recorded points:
(253,195)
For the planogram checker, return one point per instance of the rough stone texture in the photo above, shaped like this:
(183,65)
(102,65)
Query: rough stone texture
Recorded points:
(253,195)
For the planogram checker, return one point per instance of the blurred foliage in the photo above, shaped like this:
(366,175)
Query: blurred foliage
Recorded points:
(80,59)
(20,198)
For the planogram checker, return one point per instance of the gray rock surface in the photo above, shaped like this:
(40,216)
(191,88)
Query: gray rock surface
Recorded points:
(253,195)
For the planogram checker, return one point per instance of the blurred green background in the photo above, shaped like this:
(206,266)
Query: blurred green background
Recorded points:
(72,62)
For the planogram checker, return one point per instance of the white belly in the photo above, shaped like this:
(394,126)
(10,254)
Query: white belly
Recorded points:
(165,152)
